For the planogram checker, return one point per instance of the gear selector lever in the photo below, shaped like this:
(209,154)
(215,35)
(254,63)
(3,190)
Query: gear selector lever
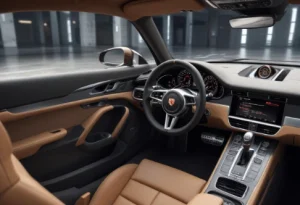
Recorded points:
(247,141)
(246,152)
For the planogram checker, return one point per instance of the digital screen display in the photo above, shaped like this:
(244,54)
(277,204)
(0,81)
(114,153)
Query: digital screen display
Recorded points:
(256,109)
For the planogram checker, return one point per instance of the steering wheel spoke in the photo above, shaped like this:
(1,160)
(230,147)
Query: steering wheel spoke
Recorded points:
(157,95)
(170,121)
(190,96)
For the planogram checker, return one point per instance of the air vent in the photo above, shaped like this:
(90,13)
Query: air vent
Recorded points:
(239,123)
(138,93)
(282,75)
(232,187)
(267,129)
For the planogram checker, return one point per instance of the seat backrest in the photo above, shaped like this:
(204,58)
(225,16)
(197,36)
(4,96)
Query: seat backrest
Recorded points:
(17,187)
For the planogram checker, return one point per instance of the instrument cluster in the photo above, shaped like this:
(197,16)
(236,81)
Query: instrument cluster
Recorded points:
(184,79)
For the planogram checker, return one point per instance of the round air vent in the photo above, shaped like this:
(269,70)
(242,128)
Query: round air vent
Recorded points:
(265,71)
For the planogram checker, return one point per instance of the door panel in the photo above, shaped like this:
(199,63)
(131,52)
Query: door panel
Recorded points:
(88,139)
(29,146)
(60,85)
(75,139)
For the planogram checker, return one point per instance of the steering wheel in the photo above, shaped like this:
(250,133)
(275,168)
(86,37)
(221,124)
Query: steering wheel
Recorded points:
(176,101)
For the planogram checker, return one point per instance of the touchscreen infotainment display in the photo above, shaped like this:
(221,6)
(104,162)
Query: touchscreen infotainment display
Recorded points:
(256,109)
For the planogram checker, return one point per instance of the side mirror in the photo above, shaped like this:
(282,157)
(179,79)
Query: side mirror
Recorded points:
(252,22)
(121,56)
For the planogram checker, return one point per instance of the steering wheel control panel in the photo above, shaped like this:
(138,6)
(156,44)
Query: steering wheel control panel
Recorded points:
(241,167)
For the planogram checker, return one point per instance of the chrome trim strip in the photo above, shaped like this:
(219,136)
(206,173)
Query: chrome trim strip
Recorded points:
(254,121)
(234,161)
(251,161)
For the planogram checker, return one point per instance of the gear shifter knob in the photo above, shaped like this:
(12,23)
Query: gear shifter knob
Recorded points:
(247,141)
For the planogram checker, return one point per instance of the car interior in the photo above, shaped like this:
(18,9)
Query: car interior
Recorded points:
(171,132)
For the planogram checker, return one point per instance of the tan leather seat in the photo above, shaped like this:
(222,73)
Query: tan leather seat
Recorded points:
(17,187)
(149,183)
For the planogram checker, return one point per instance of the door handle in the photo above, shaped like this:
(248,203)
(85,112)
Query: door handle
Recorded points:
(89,123)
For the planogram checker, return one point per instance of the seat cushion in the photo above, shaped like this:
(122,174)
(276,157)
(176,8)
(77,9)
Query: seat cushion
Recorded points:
(150,183)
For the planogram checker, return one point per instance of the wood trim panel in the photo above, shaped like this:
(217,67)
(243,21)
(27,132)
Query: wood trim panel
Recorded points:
(89,123)
(29,146)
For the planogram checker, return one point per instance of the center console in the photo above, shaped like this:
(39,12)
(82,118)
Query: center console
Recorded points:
(240,168)
(259,115)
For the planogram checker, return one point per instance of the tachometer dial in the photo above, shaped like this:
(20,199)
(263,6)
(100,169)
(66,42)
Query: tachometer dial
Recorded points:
(167,81)
(211,84)
(220,93)
(185,79)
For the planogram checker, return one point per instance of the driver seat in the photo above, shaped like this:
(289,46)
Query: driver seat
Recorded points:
(148,183)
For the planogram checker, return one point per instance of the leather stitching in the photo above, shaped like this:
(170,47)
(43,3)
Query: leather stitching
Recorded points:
(157,189)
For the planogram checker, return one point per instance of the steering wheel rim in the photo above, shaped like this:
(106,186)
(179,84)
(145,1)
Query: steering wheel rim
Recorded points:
(199,99)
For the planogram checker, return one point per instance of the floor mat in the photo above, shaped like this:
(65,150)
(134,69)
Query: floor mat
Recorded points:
(200,159)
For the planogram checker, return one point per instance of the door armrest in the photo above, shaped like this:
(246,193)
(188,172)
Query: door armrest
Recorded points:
(204,199)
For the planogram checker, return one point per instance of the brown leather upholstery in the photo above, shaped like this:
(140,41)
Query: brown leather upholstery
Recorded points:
(17,187)
(149,183)
(206,199)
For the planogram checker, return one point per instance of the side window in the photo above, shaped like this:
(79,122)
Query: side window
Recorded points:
(65,34)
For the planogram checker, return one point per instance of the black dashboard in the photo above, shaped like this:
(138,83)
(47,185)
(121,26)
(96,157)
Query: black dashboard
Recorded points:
(181,78)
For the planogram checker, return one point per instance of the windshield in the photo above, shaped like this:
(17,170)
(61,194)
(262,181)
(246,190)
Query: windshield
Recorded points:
(207,35)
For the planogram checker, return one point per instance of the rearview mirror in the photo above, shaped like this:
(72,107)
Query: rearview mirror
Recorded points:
(121,56)
(252,22)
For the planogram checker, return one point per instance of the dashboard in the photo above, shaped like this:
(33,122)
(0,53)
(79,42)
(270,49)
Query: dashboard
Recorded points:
(250,99)
(181,78)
